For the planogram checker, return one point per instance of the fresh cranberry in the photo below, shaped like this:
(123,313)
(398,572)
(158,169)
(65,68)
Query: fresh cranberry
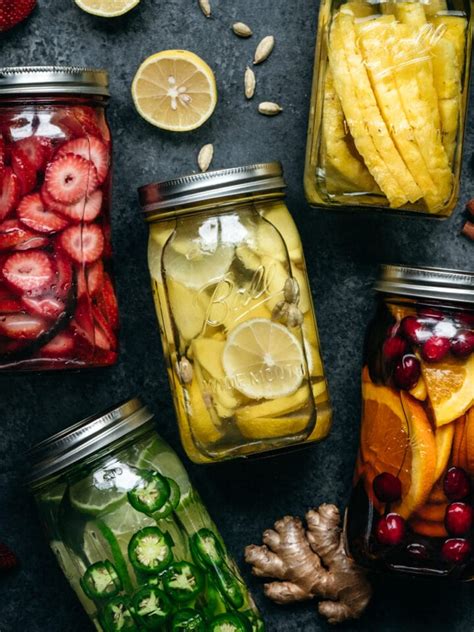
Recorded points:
(430,314)
(414,331)
(390,529)
(436,348)
(463,344)
(417,550)
(458,519)
(394,348)
(407,372)
(387,487)
(466,318)
(455,550)
(456,484)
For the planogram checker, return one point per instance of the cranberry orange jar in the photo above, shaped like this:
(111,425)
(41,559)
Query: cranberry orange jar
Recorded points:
(58,307)
(412,505)
(389,104)
(236,314)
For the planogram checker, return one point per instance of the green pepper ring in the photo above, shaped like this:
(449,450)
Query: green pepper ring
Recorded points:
(88,582)
(228,619)
(198,542)
(172,502)
(164,605)
(106,616)
(188,617)
(179,595)
(148,538)
(150,480)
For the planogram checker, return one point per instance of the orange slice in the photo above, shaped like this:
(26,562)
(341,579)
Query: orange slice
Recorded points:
(450,386)
(444,440)
(429,529)
(469,439)
(437,495)
(432,513)
(458,452)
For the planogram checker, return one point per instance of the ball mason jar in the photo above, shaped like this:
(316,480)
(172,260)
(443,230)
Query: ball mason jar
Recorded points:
(131,533)
(58,308)
(411,508)
(236,315)
(389,105)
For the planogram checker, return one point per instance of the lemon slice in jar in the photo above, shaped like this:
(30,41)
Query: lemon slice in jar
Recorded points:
(175,90)
(263,360)
(107,8)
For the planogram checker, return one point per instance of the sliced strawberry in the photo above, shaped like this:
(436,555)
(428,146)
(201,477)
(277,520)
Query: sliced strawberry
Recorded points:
(22,326)
(14,11)
(105,358)
(70,178)
(95,277)
(28,272)
(86,210)
(103,335)
(82,323)
(63,278)
(90,148)
(107,302)
(37,149)
(14,235)
(48,307)
(83,244)
(33,214)
(24,171)
(3,155)
(9,192)
(10,306)
(60,346)
(78,121)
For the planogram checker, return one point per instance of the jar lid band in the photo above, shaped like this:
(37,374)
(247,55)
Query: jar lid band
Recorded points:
(192,189)
(84,438)
(433,283)
(44,80)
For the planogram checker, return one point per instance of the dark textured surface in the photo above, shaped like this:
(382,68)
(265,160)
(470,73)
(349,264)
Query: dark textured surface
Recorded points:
(342,253)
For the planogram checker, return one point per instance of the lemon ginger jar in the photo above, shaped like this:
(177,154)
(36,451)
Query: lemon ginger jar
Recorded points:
(235,312)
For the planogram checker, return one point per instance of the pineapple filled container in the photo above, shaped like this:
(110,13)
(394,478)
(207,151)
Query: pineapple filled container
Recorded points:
(236,315)
(389,105)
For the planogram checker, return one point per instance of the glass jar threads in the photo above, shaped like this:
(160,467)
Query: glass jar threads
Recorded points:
(130,532)
(236,316)
(389,105)
(58,308)
(411,508)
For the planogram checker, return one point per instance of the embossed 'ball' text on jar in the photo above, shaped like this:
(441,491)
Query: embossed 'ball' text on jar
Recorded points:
(236,315)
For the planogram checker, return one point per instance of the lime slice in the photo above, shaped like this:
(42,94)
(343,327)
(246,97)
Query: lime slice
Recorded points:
(107,8)
(159,456)
(104,490)
(175,90)
(263,359)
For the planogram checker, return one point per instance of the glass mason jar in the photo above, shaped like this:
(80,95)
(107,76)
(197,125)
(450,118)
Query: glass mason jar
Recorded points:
(236,315)
(412,505)
(131,533)
(389,105)
(58,308)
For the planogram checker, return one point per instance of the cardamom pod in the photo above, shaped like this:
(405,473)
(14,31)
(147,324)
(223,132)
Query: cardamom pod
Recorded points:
(184,369)
(250,82)
(269,109)
(264,49)
(291,290)
(280,311)
(242,30)
(205,7)
(205,157)
(294,317)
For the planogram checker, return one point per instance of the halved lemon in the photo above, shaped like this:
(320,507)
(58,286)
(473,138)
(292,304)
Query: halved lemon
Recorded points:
(175,90)
(263,360)
(107,8)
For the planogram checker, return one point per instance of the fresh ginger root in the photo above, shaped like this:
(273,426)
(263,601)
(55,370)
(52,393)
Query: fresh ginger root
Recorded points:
(311,564)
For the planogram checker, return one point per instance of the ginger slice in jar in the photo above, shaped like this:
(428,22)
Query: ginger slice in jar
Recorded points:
(414,77)
(203,429)
(188,309)
(278,215)
(373,38)
(368,129)
(339,155)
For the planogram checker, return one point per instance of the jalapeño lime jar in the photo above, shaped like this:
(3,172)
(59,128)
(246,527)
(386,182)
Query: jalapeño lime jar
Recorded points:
(389,105)
(131,534)
(58,308)
(235,311)
(411,508)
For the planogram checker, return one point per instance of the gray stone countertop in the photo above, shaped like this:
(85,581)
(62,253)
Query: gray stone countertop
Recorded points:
(342,250)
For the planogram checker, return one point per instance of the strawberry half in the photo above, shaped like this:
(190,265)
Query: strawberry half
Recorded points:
(8,559)
(12,12)
(60,346)
(24,171)
(48,307)
(84,244)
(63,278)
(82,323)
(33,214)
(37,149)
(10,306)
(107,302)
(22,326)
(90,148)
(3,155)
(14,235)
(70,178)
(103,335)
(9,192)
(86,210)
(28,272)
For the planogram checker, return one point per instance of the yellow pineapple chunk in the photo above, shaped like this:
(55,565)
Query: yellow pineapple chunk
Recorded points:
(411,13)
(370,133)
(453,28)
(434,6)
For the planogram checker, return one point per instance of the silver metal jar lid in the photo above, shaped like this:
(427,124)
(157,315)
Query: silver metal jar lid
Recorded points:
(434,283)
(19,81)
(85,438)
(260,178)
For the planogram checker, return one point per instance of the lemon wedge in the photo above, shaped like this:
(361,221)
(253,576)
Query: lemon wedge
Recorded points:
(175,90)
(263,360)
(107,8)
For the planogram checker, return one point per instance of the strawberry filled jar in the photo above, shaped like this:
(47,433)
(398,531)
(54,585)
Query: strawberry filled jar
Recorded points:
(58,308)
(412,505)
